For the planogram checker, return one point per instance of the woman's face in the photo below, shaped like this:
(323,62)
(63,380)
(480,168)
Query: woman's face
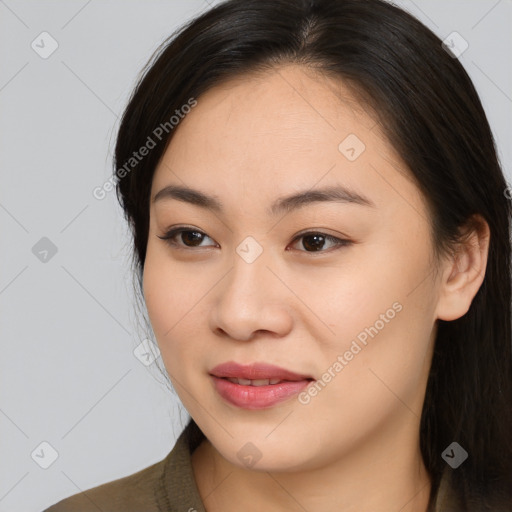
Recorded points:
(245,285)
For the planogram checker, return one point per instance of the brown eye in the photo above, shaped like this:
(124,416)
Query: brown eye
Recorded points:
(316,242)
(186,238)
(189,237)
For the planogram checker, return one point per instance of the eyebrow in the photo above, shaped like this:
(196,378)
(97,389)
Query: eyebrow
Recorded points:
(337,193)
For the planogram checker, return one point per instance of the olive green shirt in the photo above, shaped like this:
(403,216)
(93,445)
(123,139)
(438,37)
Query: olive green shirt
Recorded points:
(168,486)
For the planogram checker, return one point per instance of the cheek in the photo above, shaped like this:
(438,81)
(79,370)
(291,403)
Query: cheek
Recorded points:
(171,297)
(379,311)
(343,300)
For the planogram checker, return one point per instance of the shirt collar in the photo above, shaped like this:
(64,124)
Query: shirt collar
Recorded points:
(178,491)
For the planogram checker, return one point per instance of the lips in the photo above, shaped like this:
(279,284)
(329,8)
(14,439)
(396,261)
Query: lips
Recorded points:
(256,371)
(256,386)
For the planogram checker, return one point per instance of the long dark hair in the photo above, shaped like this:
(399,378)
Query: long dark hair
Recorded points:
(433,117)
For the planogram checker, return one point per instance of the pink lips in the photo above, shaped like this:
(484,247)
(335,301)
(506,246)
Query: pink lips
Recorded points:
(261,395)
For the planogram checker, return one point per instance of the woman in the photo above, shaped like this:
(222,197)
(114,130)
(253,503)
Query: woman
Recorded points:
(321,238)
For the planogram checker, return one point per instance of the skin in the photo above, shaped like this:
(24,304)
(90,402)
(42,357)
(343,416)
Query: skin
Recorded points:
(354,446)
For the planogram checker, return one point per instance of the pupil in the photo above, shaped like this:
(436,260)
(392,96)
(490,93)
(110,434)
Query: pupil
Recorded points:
(186,236)
(317,244)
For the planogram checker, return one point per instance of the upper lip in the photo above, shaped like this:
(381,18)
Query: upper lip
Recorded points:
(255,371)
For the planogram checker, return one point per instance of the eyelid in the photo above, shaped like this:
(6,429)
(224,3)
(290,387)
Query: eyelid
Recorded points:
(340,242)
(172,232)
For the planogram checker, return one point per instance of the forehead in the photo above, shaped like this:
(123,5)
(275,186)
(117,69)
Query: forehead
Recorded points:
(285,104)
(275,131)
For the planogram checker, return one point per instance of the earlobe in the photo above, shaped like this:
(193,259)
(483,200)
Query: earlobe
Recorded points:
(464,272)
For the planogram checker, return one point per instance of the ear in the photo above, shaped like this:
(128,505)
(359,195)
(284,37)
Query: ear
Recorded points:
(463,273)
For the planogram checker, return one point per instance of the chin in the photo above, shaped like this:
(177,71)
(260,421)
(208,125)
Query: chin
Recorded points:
(251,450)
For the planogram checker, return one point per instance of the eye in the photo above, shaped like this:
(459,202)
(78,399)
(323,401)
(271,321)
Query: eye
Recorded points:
(189,237)
(314,241)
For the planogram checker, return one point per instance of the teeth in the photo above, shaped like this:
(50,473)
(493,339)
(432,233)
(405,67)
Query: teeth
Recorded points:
(256,382)
(260,382)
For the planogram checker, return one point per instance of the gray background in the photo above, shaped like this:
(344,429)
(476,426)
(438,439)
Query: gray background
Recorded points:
(69,324)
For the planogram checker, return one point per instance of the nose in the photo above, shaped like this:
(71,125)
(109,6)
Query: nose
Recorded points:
(250,301)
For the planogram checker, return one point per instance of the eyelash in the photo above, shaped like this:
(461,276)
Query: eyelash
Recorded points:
(172,233)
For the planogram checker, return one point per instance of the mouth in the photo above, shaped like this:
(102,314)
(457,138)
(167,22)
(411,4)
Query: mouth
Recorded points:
(256,372)
(257,386)
(256,382)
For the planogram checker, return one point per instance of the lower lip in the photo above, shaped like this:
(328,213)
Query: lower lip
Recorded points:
(257,397)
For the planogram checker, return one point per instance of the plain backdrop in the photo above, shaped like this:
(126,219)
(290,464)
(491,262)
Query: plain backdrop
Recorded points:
(73,395)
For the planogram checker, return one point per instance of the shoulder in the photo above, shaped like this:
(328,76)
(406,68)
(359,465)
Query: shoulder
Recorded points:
(163,486)
(137,492)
